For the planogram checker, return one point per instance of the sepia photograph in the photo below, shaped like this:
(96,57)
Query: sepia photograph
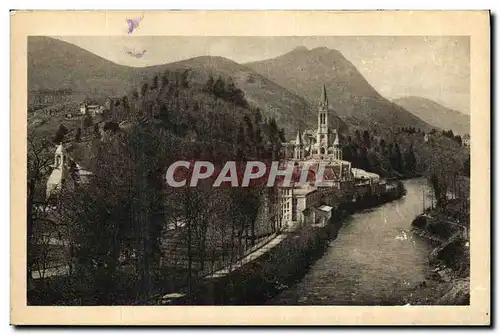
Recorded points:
(250,170)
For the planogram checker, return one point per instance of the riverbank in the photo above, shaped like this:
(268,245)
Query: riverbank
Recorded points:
(448,278)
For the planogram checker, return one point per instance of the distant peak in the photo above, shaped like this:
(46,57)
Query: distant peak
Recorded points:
(300,48)
(320,49)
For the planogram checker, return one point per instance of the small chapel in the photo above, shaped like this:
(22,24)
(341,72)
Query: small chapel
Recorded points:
(66,173)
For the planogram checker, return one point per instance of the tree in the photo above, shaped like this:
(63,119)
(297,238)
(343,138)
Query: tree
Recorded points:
(39,160)
(97,133)
(363,159)
(358,136)
(234,94)
(374,163)
(155,84)
(184,78)
(124,193)
(144,89)
(219,88)
(118,221)
(209,85)
(60,134)
(439,190)
(366,139)
(87,121)
(347,153)
(45,253)
(78,134)
(274,136)
(382,145)
(396,159)
(466,166)
(410,160)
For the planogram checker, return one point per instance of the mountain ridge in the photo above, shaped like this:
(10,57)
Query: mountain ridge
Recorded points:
(304,71)
(436,114)
(55,64)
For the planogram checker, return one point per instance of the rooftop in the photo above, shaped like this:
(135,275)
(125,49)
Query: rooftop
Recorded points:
(304,190)
(325,208)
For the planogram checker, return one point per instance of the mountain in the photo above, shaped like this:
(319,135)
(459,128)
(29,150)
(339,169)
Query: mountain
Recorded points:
(304,71)
(436,114)
(54,64)
(291,111)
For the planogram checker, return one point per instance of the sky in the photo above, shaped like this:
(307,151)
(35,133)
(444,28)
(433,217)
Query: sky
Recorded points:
(434,67)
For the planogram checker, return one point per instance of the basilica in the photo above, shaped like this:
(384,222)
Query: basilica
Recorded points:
(321,144)
(310,149)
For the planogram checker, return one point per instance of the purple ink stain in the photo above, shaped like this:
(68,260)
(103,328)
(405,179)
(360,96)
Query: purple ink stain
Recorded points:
(133,24)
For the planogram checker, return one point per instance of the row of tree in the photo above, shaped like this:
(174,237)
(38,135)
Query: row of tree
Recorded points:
(449,133)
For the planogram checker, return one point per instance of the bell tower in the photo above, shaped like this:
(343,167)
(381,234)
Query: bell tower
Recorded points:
(298,148)
(322,133)
(337,151)
(60,173)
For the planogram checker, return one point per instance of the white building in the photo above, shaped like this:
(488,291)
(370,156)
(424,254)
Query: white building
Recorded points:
(66,173)
(366,182)
(91,109)
(370,177)
(60,176)
(466,141)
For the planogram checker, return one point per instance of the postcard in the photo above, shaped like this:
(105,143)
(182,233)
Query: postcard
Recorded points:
(250,168)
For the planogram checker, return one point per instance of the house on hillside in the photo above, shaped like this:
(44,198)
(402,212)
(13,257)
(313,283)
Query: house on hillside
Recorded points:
(91,108)
(66,173)
(466,141)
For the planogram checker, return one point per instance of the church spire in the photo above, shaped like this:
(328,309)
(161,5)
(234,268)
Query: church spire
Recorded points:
(336,142)
(337,152)
(298,148)
(324,97)
(298,141)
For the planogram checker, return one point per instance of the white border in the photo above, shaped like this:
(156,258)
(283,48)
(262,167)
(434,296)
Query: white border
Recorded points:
(185,4)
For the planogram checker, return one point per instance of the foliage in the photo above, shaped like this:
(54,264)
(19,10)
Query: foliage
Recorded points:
(120,224)
(39,159)
(227,91)
(60,134)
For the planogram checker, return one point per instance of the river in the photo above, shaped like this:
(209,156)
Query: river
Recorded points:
(375,259)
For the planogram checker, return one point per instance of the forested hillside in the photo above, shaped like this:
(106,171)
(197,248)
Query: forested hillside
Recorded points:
(131,257)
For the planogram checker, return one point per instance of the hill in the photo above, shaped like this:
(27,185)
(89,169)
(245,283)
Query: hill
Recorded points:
(54,64)
(436,114)
(304,71)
